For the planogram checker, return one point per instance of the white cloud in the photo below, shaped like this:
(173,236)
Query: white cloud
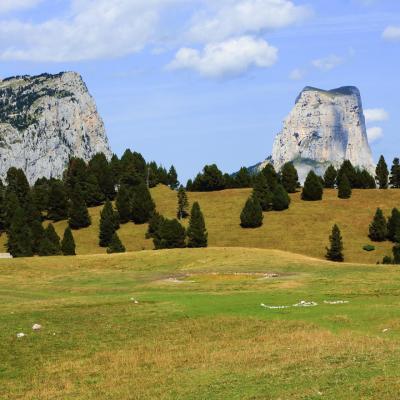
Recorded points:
(392,33)
(328,63)
(376,115)
(230,57)
(15,5)
(228,18)
(297,74)
(94,29)
(374,133)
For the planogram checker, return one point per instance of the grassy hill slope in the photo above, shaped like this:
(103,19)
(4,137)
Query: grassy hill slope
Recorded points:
(303,229)
(198,330)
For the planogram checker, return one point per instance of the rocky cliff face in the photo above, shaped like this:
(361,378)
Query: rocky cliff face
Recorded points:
(46,119)
(324,127)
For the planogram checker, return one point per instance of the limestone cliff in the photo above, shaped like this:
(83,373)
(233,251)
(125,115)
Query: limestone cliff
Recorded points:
(46,119)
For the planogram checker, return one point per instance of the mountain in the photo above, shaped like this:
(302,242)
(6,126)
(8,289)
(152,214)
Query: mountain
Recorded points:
(323,128)
(46,119)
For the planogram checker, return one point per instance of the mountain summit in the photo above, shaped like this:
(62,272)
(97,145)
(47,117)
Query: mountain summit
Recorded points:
(325,127)
(44,121)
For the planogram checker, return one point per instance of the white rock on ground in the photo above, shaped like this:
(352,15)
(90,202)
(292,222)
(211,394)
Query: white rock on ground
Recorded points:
(20,335)
(36,327)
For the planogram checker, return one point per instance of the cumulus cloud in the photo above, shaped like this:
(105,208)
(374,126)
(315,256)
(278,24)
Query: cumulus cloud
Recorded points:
(227,18)
(93,29)
(297,74)
(374,133)
(392,33)
(328,63)
(227,58)
(16,5)
(376,115)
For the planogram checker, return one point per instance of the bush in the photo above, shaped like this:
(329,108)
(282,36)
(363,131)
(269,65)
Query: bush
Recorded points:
(369,247)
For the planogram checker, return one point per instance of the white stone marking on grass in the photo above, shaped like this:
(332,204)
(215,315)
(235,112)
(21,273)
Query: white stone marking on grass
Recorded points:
(20,335)
(304,303)
(273,307)
(385,330)
(336,302)
(36,327)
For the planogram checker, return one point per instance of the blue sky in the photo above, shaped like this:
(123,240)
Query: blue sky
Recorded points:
(193,82)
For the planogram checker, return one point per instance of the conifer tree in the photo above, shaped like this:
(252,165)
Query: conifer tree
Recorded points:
(335,251)
(395,174)
(123,204)
(78,212)
(19,242)
(17,183)
(378,227)
(330,177)
(68,247)
(367,180)
(271,175)
(37,233)
(242,179)
(347,169)
(57,201)
(183,204)
(107,224)
(280,199)
(50,244)
(251,216)
(393,226)
(313,189)
(142,205)
(344,189)
(101,168)
(289,178)
(173,178)
(382,173)
(396,254)
(116,245)
(262,193)
(197,232)
(3,215)
(171,235)
(154,225)
(92,192)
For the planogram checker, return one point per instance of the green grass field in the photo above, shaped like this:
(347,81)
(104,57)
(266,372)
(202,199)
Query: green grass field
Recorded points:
(198,331)
(303,229)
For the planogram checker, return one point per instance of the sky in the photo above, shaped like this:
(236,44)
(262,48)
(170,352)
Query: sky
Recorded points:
(195,82)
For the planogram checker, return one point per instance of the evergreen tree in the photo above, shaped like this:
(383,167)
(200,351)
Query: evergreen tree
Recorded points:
(107,224)
(382,173)
(262,192)
(116,245)
(348,170)
(171,235)
(17,183)
(393,226)
(197,232)
(396,254)
(102,170)
(189,185)
(37,234)
(280,199)
(313,189)
(152,175)
(123,204)
(395,174)
(154,225)
(10,205)
(92,192)
(173,178)
(183,204)
(251,216)
(78,212)
(335,251)
(19,242)
(289,178)
(242,179)
(378,227)
(115,168)
(344,191)
(229,181)
(271,175)
(210,180)
(40,193)
(57,201)
(142,205)
(3,216)
(50,244)
(68,247)
(330,177)
(367,180)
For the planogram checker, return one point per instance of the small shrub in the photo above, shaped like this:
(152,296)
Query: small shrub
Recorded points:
(369,247)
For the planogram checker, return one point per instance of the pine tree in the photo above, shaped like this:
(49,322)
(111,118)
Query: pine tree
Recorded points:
(313,189)
(344,191)
(3,215)
(395,174)
(280,199)
(173,182)
(154,225)
(107,224)
(271,175)
(37,233)
(78,212)
(50,244)
(197,232)
(348,170)
(142,205)
(19,242)
(68,247)
(262,193)
(378,227)
(57,201)
(92,192)
(17,183)
(396,254)
(183,204)
(335,251)
(171,235)
(123,204)
(393,225)
(116,245)
(330,177)
(289,178)
(251,216)
(242,179)
(101,168)
(382,173)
